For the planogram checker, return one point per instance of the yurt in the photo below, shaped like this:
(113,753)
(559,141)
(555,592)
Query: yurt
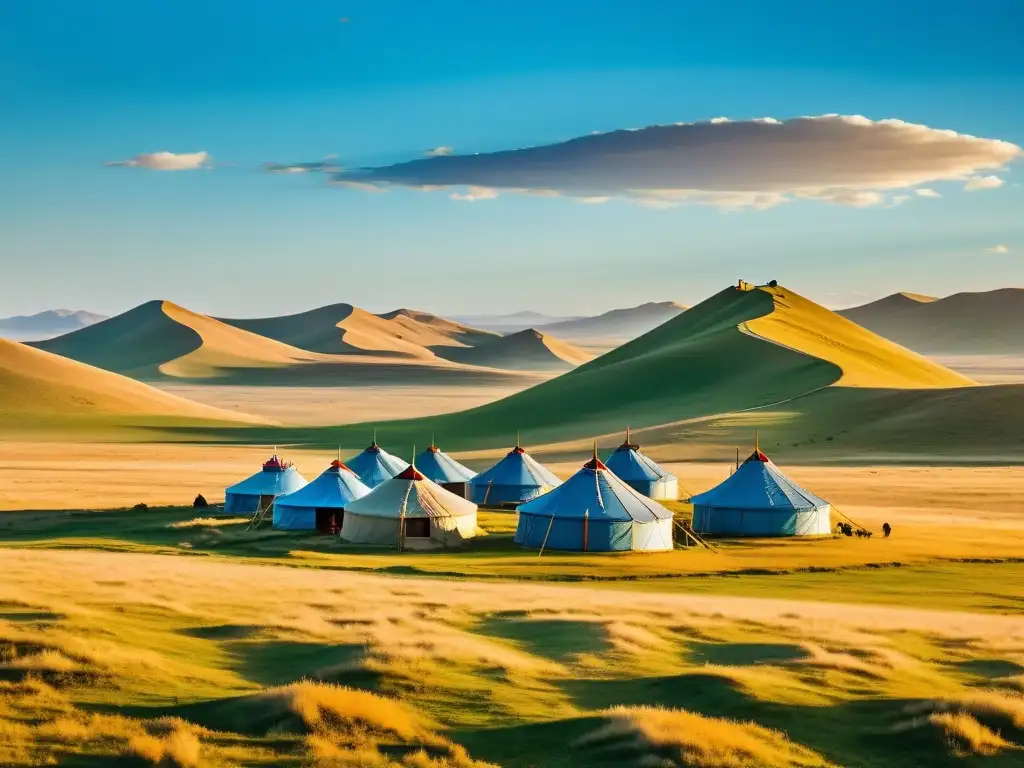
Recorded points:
(321,504)
(375,465)
(758,500)
(258,492)
(411,512)
(438,466)
(516,478)
(641,473)
(594,511)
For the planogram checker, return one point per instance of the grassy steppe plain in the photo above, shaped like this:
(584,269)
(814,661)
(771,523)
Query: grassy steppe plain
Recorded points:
(134,637)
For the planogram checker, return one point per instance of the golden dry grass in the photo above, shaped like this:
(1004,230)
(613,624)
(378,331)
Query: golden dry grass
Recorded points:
(461,654)
(966,735)
(674,737)
(327,707)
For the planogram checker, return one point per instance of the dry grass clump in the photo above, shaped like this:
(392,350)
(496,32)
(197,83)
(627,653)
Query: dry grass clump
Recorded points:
(323,753)
(966,735)
(179,747)
(675,737)
(1006,707)
(333,708)
(46,660)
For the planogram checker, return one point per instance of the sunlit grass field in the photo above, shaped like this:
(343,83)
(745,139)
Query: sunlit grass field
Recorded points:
(160,638)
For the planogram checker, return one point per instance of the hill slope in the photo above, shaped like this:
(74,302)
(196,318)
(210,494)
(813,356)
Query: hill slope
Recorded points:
(345,329)
(617,325)
(866,359)
(528,350)
(990,322)
(737,350)
(43,391)
(160,337)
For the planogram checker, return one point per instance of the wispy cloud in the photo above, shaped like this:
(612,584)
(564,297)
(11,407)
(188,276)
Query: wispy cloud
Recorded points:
(440,152)
(165,161)
(848,160)
(998,249)
(319,166)
(983,182)
(475,193)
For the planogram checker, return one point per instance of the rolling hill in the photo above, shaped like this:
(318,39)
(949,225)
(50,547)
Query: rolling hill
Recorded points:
(44,325)
(528,350)
(43,391)
(619,325)
(990,322)
(738,350)
(344,329)
(161,338)
(159,341)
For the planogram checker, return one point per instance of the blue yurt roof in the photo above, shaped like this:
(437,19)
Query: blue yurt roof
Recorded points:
(375,465)
(630,465)
(442,468)
(758,484)
(518,468)
(275,478)
(596,493)
(334,488)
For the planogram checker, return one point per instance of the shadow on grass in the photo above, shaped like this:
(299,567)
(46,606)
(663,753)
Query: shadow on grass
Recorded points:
(558,639)
(744,654)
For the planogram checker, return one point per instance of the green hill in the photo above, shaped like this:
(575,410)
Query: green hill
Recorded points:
(736,351)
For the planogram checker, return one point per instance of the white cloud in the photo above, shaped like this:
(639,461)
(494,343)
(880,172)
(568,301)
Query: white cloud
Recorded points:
(165,161)
(983,182)
(847,160)
(475,193)
(717,120)
(440,151)
(998,249)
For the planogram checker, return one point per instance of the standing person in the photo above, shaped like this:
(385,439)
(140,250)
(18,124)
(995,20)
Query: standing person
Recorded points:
(886,529)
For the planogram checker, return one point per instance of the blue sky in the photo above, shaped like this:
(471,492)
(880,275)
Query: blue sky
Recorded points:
(249,82)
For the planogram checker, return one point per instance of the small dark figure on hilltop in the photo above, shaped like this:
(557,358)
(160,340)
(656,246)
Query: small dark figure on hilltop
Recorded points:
(886,529)
(200,502)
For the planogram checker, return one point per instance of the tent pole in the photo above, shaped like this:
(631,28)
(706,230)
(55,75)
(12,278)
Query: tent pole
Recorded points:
(545,542)
(586,528)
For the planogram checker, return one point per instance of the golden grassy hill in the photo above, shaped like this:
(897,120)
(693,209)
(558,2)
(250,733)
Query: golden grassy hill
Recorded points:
(866,359)
(738,350)
(528,350)
(989,322)
(45,392)
(343,329)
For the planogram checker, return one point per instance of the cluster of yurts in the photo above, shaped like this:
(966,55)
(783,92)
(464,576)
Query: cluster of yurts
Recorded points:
(377,498)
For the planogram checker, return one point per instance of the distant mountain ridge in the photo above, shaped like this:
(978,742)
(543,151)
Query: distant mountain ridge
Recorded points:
(52,322)
(617,325)
(988,322)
